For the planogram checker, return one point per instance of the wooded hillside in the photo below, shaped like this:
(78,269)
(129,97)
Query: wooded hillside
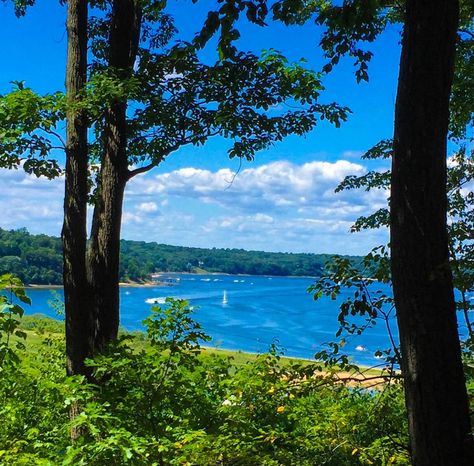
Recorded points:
(37,259)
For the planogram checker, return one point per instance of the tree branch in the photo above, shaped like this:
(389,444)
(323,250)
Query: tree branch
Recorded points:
(57,135)
(145,168)
(157,161)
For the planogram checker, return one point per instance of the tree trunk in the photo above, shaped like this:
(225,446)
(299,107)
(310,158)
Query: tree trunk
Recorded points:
(74,232)
(431,358)
(104,251)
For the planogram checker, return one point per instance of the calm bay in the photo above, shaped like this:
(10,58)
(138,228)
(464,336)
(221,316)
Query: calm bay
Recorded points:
(246,313)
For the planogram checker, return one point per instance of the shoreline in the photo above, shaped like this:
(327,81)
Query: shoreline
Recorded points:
(33,286)
(233,352)
(246,355)
(233,274)
(151,284)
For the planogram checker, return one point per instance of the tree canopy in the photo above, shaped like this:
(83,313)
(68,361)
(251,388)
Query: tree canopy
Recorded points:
(37,259)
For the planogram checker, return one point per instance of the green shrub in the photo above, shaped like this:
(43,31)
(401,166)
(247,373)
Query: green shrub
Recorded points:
(164,401)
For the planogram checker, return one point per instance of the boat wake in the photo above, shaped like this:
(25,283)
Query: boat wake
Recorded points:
(155,300)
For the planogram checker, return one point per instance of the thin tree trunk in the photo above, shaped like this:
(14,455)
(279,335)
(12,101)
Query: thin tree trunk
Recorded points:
(431,358)
(74,232)
(104,251)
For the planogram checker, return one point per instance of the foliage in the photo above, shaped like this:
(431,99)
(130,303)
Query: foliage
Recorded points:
(462,100)
(366,300)
(31,389)
(28,125)
(166,401)
(373,304)
(11,290)
(233,261)
(376,306)
(33,258)
(174,99)
(37,259)
(20,6)
(346,25)
(460,228)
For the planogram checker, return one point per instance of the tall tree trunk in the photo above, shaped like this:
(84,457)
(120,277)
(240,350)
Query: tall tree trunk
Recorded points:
(74,232)
(431,358)
(104,251)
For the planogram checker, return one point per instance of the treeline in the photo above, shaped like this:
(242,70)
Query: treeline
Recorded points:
(33,258)
(141,257)
(37,259)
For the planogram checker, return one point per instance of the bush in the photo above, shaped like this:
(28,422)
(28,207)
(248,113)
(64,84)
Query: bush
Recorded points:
(166,401)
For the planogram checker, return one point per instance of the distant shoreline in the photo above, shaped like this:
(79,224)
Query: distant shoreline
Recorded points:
(150,284)
(140,259)
(235,274)
(33,286)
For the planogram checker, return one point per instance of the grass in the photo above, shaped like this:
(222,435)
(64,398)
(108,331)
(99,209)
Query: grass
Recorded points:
(39,327)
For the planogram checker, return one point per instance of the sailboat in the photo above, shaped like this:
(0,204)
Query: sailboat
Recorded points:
(224,298)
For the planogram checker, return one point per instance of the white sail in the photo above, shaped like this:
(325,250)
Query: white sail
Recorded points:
(224,298)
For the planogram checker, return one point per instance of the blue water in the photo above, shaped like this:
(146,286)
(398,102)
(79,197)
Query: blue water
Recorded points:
(260,310)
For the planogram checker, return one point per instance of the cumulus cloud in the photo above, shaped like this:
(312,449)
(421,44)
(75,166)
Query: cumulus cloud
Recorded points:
(276,206)
(273,188)
(130,217)
(142,213)
(297,234)
(147,207)
(278,185)
(281,205)
(28,201)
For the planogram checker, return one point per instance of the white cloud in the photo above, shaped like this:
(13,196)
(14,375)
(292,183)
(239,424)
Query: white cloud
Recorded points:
(141,213)
(129,217)
(263,218)
(278,185)
(147,207)
(28,201)
(277,206)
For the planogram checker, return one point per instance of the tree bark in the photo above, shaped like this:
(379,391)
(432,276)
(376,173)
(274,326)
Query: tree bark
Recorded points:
(435,390)
(74,231)
(104,251)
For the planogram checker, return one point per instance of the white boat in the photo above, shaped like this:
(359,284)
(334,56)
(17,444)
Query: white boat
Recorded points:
(224,298)
(155,300)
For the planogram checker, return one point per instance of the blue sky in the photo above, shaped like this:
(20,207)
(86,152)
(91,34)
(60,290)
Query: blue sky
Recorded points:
(282,201)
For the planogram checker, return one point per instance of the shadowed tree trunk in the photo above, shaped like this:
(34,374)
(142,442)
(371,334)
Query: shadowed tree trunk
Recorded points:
(431,358)
(104,251)
(74,232)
